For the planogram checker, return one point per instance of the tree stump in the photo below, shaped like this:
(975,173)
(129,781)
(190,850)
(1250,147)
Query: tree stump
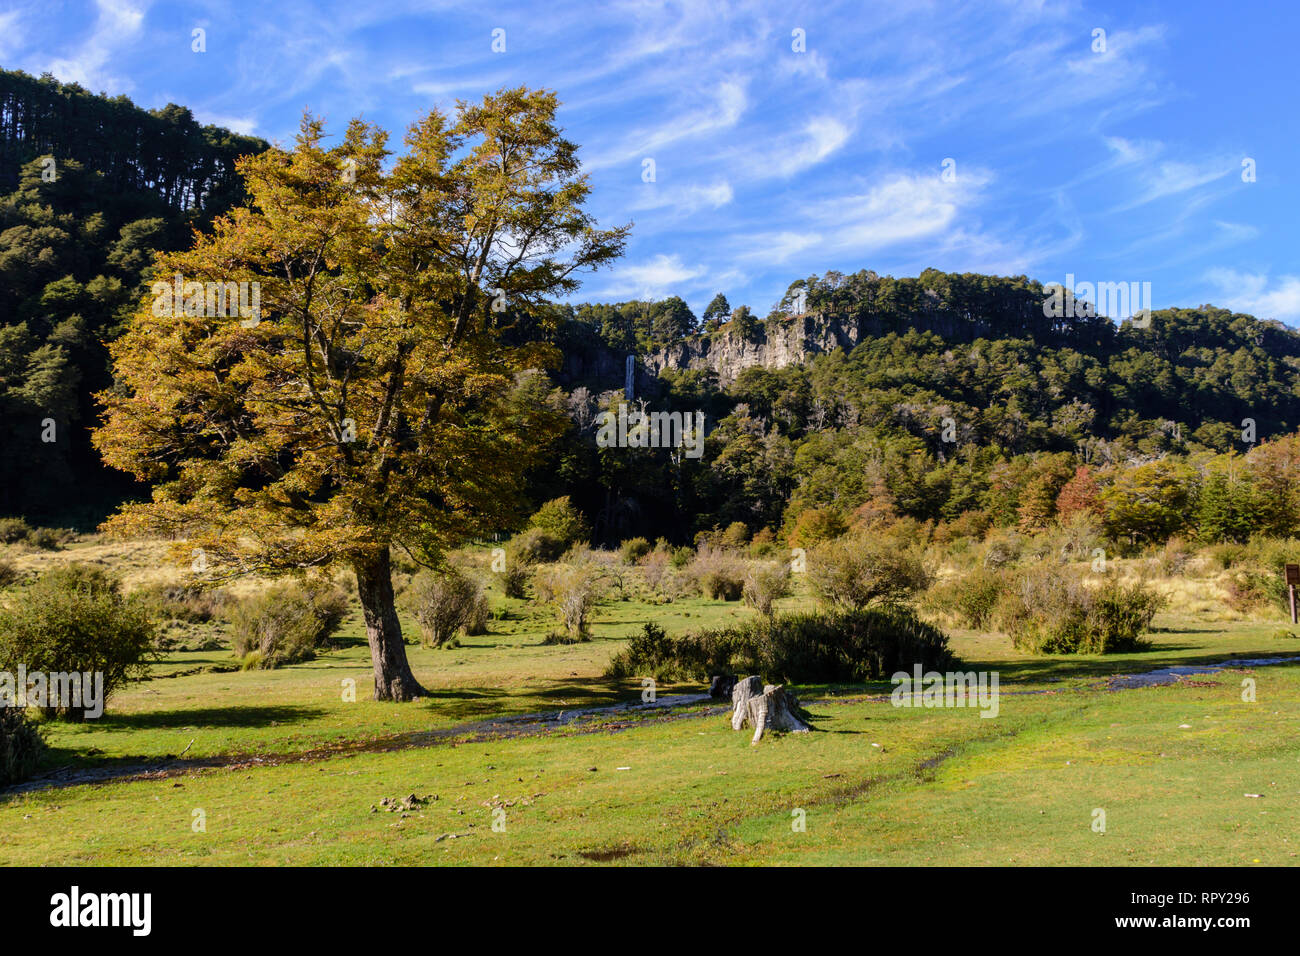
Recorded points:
(765,707)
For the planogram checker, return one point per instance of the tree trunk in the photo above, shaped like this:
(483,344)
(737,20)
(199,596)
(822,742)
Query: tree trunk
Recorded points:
(765,707)
(393,677)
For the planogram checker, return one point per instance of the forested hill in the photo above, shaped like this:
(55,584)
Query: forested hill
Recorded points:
(154,158)
(90,189)
(932,397)
(974,342)
(853,391)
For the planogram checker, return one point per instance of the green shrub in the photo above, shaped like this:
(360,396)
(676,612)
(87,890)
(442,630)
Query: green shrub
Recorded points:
(13,530)
(534,546)
(634,549)
(559,520)
(650,653)
(1002,549)
(682,557)
(840,646)
(75,619)
(444,603)
(557,638)
(20,746)
(971,597)
(46,539)
(574,590)
(8,574)
(286,623)
(1253,589)
(1173,557)
(479,613)
(656,571)
(718,575)
(857,572)
(515,578)
(735,536)
(1228,554)
(171,601)
(1048,612)
(763,544)
(722,586)
(765,582)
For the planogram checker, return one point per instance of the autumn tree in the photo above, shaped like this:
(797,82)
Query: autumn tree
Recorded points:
(374,401)
(1079,495)
(1038,498)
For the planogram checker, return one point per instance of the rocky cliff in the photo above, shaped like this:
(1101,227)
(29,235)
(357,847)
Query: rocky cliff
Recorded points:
(777,344)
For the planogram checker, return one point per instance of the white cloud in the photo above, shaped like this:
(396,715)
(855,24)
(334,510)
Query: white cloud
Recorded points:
(903,208)
(819,139)
(1254,292)
(729,103)
(684,199)
(778,247)
(1173,177)
(117,21)
(247,125)
(1130,151)
(661,275)
(11,34)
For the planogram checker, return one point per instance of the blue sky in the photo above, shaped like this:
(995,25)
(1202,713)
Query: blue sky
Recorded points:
(1122,165)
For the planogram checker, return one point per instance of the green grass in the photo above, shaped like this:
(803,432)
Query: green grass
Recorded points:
(942,786)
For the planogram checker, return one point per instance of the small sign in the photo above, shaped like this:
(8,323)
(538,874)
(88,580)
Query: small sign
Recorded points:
(1293,574)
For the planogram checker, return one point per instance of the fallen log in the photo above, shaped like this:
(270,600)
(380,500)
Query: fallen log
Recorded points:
(765,707)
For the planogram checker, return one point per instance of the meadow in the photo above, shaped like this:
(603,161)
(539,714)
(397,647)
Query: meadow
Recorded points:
(206,763)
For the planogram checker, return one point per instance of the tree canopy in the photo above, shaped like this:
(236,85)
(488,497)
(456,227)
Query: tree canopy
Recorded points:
(373,403)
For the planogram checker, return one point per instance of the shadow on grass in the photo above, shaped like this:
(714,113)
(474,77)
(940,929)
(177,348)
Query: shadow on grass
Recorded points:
(1065,667)
(241,716)
(467,702)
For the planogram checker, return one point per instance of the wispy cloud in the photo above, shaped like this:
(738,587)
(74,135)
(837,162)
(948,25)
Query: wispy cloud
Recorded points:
(902,208)
(771,162)
(684,199)
(660,275)
(117,22)
(1256,293)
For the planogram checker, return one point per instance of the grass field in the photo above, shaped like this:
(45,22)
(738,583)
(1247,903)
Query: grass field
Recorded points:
(280,769)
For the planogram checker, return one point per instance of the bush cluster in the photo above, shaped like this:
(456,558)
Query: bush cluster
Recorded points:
(1048,612)
(18,531)
(286,623)
(826,647)
(445,603)
(858,572)
(75,618)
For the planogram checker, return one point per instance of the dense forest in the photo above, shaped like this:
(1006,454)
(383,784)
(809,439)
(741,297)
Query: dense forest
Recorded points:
(90,189)
(960,401)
